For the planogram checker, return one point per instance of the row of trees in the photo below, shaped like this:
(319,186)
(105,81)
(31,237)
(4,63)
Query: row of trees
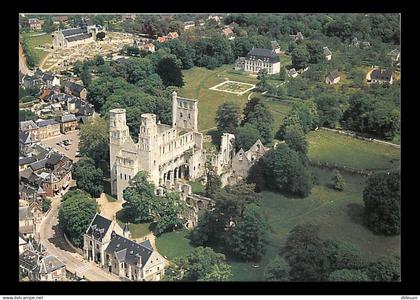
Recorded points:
(307,257)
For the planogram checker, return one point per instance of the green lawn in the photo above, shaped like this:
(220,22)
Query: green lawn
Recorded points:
(174,244)
(199,80)
(39,41)
(197,187)
(351,152)
(137,230)
(337,213)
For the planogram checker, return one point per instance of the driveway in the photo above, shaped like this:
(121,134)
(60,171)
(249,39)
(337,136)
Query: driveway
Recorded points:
(71,135)
(52,238)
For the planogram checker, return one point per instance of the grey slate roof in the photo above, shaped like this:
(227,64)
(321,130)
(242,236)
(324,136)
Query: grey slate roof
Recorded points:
(49,264)
(43,123)
(333,75)
(24,137)
(384,75)
(128,251)
(68,118)
(29,260)
(99,227)
(327,51)
(79,37)
(48,77)
(26,160)
(74,87)
(260,53)
(27,125)
(72,31)
(38,165)
(54,159)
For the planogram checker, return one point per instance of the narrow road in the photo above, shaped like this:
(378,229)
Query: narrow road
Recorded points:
(53,240)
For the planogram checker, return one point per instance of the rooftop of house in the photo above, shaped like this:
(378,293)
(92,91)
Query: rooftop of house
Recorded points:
(73,31)
(27,125)
(74,87)
(384,75)
(99,226)
(24,137)
(49,264)
(128,251)
(333,75)
(327,51)
(48,122)
(68,118)
(26,160)
(29,259)
(260,53)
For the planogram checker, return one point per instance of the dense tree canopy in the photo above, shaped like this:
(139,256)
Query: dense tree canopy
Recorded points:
(88,177)
(382,197)
(75,214)
(227,117)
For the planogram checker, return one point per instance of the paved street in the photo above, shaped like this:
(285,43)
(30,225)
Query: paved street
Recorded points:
(52,238)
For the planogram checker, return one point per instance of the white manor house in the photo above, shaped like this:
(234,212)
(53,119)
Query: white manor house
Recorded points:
(166,152)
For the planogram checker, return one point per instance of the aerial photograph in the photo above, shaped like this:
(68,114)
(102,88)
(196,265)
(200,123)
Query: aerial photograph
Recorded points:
(209,147)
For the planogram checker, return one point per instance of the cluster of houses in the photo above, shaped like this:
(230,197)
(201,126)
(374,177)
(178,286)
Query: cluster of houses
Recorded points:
(169,36)
(36,265)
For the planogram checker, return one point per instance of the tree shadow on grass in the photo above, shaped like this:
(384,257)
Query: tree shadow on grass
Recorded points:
(356,213)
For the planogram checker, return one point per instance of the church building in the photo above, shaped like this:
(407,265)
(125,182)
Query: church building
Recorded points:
(168,153)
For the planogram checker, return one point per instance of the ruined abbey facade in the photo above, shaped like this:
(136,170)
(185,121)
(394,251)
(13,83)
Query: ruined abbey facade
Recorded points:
(168,153)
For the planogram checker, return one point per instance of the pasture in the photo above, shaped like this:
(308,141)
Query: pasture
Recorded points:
(341,150)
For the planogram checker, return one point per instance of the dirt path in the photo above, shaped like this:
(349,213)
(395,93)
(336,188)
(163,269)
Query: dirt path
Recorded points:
(109,209)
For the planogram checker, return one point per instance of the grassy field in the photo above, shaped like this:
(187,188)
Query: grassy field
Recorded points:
(174,244)
(199,80)
(44,40)
(337,213)
(351,152)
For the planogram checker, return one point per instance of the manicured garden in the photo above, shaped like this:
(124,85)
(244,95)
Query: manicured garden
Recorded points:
(174,244)
(327,146)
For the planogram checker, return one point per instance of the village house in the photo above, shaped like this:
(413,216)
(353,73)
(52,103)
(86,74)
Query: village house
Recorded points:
(217,19)
(75,89)
(259,58)
(30,218)
(60,19)
(109,246)
(380,76)
(50,80)
(38,267)
(395,56)
(68,123)
(24,245)
(275,47)
(201,23)
(31,128)
(35,24)
(189,25)
(297,37)
(47,128)
(161,39)
(327,53)
(172,35)
(228,33)
(25,141)
(149,47)
(333,77)
(232,25)
(292,73)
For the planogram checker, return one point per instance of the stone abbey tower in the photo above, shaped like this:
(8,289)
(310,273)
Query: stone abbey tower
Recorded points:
(169,153)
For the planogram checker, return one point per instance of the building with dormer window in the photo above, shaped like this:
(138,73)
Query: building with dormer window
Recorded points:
(258,59)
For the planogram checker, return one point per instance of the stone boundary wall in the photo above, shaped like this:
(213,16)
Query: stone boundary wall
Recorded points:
(79,251)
